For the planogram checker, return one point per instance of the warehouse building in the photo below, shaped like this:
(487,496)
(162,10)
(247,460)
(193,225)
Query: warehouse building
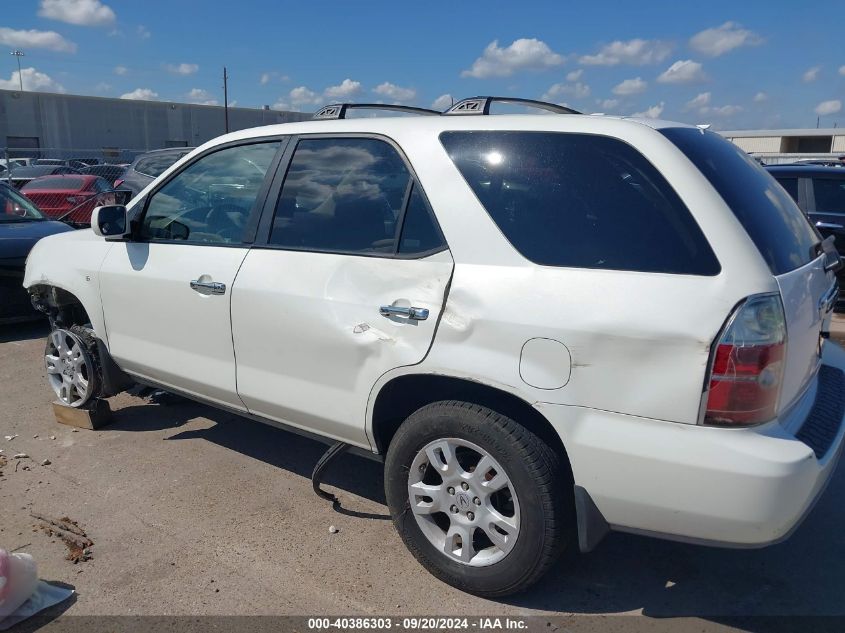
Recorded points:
(788,145)
(47,125)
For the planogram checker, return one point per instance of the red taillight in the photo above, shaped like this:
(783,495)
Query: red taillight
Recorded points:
(747,371)
(118,182)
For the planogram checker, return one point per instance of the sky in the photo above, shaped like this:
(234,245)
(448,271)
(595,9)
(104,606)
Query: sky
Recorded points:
(732,64)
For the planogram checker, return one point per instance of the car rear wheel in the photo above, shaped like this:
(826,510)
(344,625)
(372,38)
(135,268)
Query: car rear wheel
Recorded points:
(481,502)
(72,368)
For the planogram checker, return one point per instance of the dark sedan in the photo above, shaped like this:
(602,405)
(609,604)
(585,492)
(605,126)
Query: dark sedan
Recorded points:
(820,193)
(21,226)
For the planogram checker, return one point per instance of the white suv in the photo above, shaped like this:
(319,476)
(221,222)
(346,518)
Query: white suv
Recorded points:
(549,326)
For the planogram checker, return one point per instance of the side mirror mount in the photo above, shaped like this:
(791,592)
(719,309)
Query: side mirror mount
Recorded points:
(109,221)
(832,260)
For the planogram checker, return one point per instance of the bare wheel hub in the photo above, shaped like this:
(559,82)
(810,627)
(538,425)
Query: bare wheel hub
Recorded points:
(70,368)
(464,502)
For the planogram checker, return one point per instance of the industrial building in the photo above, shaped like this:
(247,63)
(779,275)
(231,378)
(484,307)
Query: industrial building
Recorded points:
(775,146)
(48,125)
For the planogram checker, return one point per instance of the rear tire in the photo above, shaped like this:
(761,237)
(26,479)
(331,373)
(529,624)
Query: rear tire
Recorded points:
(479,500)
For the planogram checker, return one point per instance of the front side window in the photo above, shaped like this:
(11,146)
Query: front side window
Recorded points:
(341,195)
(211,200)
(829,194)
(580,200)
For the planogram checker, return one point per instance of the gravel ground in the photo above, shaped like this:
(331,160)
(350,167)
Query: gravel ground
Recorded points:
(193,511)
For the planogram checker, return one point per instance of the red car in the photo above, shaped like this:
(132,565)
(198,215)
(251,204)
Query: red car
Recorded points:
(69,197)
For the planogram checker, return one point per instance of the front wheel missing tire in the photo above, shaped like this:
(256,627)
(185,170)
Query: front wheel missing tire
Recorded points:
(72,368)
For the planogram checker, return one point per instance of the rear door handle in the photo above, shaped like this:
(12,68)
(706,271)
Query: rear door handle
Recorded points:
(829,225)
(208,287)
(414,314)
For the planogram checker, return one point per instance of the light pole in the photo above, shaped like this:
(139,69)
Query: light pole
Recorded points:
(19,54)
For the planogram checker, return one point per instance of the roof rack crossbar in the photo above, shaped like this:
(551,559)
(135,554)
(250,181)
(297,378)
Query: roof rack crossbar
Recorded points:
(338,110)
(481,105)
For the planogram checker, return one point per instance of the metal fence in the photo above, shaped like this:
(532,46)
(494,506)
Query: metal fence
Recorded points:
(66,184)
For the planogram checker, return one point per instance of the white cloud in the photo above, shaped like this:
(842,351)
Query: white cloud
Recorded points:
(36,39)
(811,74)
(653,112)
(79,12)
(699,101)
(181,69)
(683,71)
(608,104)
(201,97)
(442,102)
(575,75)
(345,90)
(102,87)
(266,78)
(141,94)
(842,70)
(32,81)
(828,107)
(760,97)
(281,104)
(397,93)
(725,110)
(120,70)
(302,95)
(723,39)
(577,90)
(636,52)
(522,54)
(630,87)
(143,32)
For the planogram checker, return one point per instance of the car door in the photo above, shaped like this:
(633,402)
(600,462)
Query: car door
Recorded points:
(166,292)
(347,281)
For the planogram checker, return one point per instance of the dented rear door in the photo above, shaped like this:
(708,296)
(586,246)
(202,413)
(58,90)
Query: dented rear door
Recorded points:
(346,282)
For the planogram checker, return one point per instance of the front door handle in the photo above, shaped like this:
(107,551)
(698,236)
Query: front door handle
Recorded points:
(415,314)
(208,287)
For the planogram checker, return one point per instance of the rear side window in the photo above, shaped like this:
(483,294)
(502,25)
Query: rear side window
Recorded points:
(580,200)
(771,218)
(341,195)
(829,194)
(419,232)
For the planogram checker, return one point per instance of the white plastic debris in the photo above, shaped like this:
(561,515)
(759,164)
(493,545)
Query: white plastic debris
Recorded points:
(52,437)
(333,529)
(21,593)
(9,438)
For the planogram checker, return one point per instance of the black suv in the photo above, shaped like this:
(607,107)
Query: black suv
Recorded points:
(820,193)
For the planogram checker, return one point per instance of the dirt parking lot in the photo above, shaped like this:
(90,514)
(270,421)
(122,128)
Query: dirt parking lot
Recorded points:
(194,511)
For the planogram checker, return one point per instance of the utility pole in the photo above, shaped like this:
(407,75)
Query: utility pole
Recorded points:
(226,97)
(18,54)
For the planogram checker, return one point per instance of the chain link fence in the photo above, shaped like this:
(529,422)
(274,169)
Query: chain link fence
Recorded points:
(66,184)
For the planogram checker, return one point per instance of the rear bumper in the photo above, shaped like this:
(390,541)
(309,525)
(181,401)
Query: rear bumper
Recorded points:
(726,487)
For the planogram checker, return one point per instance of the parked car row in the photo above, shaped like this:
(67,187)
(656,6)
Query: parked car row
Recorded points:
(819,192)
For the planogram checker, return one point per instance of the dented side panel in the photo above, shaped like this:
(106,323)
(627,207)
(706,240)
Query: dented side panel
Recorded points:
(310,341)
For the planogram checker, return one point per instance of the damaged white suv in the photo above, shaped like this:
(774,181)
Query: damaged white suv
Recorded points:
(549,326)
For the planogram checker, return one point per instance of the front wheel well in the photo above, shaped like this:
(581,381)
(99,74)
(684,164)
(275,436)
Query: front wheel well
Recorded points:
(62,307)
(403,395)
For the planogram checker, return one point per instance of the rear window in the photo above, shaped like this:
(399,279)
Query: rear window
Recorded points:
(580,200)
(769,215)
(65,184)
(830,194)
(155,166)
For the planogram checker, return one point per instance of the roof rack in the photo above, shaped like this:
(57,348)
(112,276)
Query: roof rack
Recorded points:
(481,105)
(338,110)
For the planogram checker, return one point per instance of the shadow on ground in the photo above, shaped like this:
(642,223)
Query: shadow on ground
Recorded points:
(803,576)
(24,331)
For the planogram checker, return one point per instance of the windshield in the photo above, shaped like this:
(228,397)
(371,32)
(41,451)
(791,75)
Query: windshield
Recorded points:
(15,208)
